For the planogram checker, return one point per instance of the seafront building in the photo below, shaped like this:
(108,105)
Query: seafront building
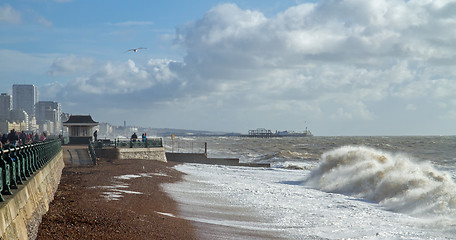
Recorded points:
(48,116)
(6,104)
(80,128)
(25,96)
(7,126)
(23,112)
(19,115)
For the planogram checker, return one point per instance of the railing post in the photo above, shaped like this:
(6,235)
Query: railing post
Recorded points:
(40,159)
(1,183)
(28,159)
(13,166)
(21,158)
(35,157)
(19,164)
(5,174)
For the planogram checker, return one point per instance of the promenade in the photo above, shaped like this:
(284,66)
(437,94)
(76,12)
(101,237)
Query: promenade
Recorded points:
(116,199)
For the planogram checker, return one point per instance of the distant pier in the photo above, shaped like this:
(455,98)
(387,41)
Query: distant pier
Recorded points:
(266,133)
(260,133)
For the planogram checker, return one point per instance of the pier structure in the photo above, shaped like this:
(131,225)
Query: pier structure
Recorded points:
(260,133)
(265,133)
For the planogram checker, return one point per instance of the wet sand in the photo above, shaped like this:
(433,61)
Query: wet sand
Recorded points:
(87,203)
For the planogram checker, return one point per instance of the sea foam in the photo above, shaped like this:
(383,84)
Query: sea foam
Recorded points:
(396,181)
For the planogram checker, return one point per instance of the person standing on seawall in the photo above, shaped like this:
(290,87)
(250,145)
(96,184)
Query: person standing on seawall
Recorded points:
(95,135)
(134,137)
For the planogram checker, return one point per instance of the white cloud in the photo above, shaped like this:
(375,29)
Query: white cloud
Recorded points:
(340,45)
(70,65)
(43,21)
(343,59)
(117,78)
(9,14)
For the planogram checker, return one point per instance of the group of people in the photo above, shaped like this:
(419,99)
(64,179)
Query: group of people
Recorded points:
(134,137)
(14,138)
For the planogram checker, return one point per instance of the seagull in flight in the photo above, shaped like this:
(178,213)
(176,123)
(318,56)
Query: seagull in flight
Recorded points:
(135,49)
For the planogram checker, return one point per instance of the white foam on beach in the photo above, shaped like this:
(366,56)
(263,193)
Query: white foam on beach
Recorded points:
(153,174)
(256,203)
(111,196)
(115,191)
(166,214)
(127,176)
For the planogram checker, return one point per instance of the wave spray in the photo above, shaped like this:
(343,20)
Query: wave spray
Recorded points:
(396,181)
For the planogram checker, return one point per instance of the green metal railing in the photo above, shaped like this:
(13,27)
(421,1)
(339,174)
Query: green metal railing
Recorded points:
(17,164)
(129,143)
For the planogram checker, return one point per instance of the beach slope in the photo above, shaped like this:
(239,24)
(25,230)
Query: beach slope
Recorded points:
(117,199)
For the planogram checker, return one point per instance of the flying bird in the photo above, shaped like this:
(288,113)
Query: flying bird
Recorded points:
(135,49)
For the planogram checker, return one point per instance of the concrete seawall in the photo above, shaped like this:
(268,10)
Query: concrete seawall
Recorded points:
(21,212)
(157,153)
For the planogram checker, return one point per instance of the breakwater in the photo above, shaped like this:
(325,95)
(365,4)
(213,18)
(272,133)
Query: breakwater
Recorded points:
(29,178)
(202,158)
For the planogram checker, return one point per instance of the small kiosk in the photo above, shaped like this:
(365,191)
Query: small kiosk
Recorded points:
(80,128)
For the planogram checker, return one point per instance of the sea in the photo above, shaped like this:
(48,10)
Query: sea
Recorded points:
(400,187)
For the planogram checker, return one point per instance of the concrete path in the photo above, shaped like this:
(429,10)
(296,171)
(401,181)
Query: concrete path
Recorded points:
(76,155)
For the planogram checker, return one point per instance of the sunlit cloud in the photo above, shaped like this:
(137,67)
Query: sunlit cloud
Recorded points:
(332,60)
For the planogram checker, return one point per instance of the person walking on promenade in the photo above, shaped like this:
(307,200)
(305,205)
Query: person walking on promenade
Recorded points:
(95,135)
(22,138)
(36,138)
(12,137)
(43,137)
(4,139)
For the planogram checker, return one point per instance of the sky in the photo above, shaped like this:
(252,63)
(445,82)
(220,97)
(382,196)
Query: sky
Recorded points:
(338,67)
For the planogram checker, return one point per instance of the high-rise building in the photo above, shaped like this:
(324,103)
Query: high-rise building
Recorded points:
(5,106)
(48,113)
(25,96)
